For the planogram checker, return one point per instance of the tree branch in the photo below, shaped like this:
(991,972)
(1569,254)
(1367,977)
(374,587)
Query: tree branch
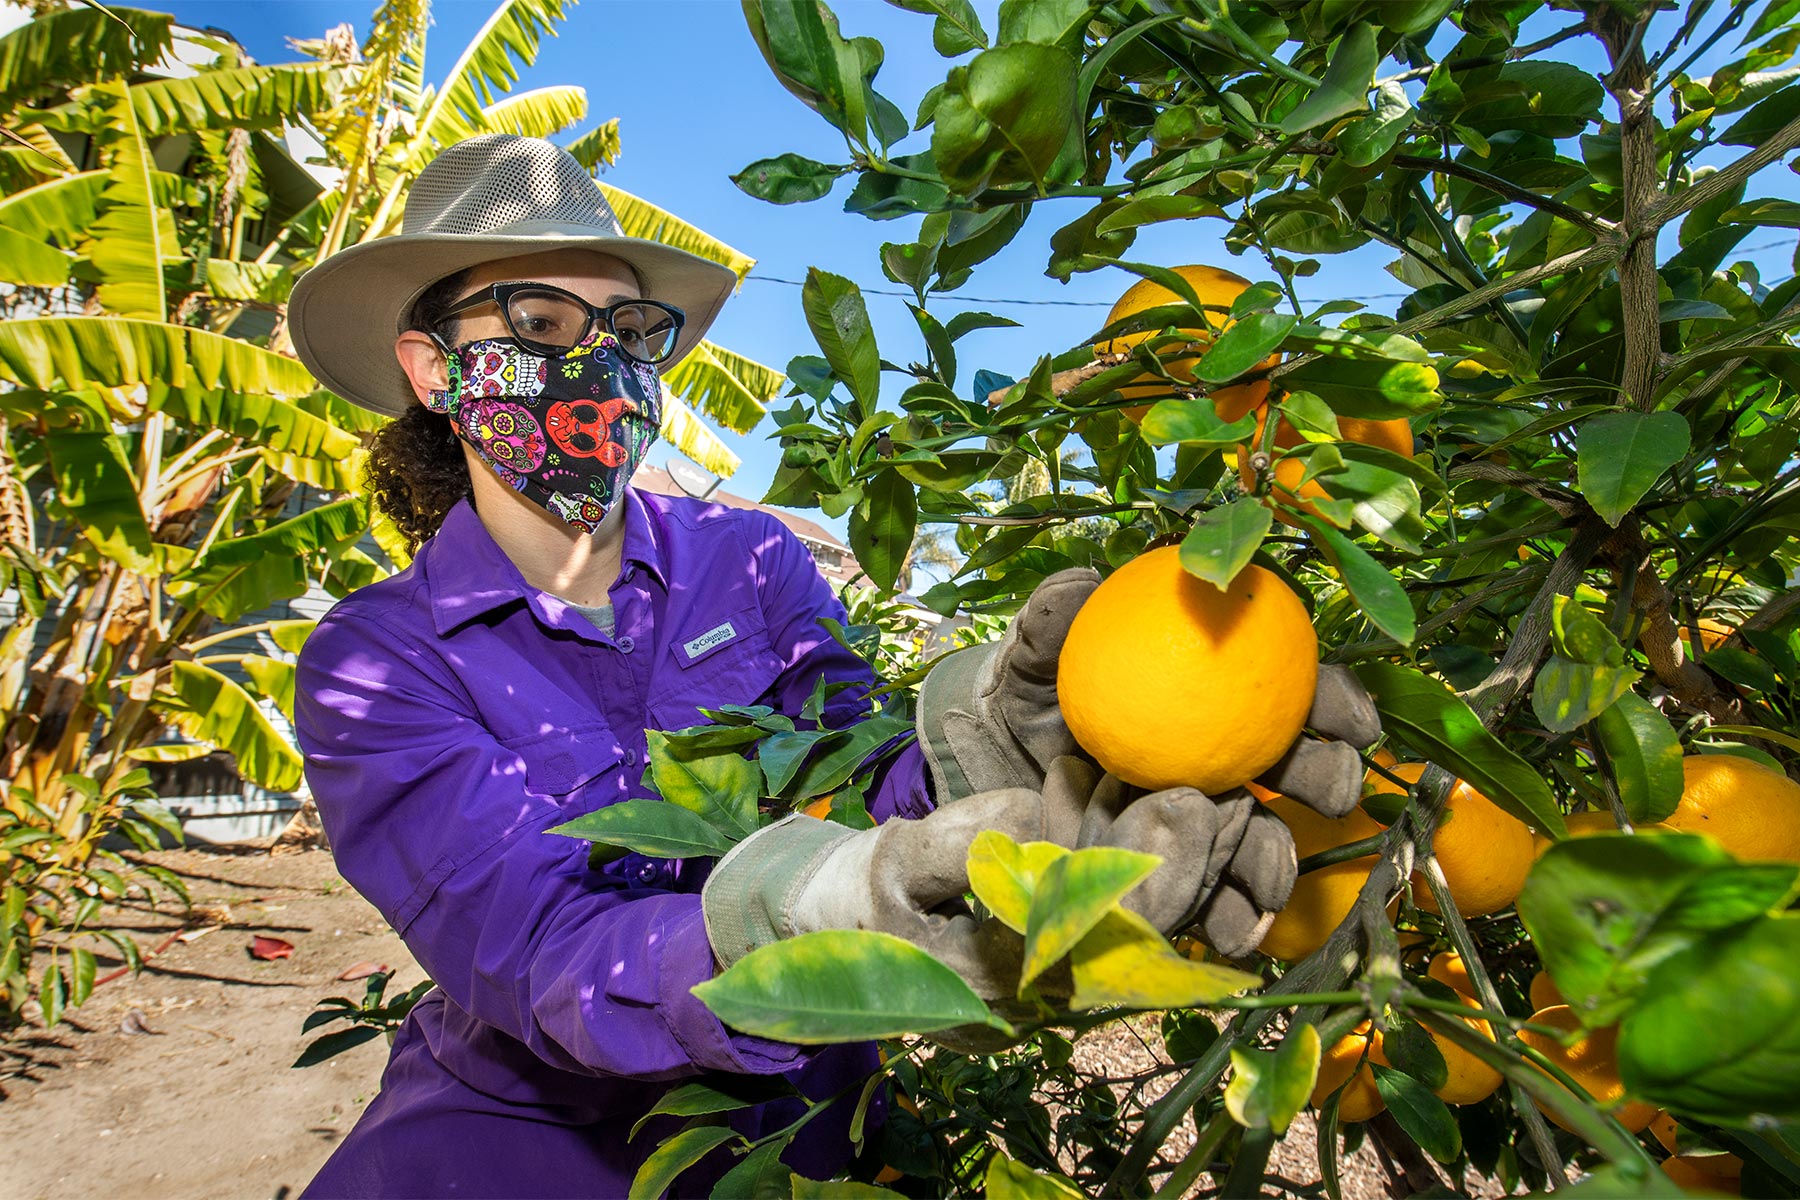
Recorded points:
(1506,188)
(1724,179)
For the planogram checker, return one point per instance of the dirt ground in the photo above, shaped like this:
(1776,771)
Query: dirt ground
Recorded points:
(207,1104)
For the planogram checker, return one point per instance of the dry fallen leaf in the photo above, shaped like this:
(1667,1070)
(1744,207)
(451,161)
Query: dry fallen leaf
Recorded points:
(363,970)
(135,1024)
(271,947)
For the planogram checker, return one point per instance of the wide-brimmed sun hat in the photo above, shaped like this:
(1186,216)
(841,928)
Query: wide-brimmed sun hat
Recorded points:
(491,197)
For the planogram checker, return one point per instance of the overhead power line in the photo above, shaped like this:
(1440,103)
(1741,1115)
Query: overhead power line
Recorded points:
(960,299)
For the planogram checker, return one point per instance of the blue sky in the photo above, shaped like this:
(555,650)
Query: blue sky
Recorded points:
(696,103)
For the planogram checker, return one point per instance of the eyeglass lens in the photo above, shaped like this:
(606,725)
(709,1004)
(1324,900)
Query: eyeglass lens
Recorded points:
(644,331)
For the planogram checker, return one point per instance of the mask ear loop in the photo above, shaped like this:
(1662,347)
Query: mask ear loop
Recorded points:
(447,399)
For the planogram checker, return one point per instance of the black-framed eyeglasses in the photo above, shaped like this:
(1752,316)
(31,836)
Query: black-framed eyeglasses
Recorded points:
(549,321)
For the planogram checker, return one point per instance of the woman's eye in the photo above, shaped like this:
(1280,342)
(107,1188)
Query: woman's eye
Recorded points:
(538,324)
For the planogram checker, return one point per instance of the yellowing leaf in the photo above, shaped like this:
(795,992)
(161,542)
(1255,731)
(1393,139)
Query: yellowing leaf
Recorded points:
(1268,1088)
(1009,1180)
(1003,874)
(1074,895)
(1123,960)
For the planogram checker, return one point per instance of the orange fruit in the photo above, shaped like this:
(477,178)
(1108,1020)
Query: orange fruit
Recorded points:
(1360,1100)
(1592,1061)
(1321,899)
(1750,810)
(1542,992)
(1168,681)
(1448,969)
(1713,634)
(1583,824)
(1395,436)
(1470,1079)
(1706,1173)
(820,808)
(1214,287)
(1663,1129)
(1485,852)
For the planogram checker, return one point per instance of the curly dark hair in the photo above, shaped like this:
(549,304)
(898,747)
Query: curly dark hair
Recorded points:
(416,471)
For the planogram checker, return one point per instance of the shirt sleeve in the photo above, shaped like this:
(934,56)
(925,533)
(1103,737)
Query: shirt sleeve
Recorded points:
(439,826)
(795,599)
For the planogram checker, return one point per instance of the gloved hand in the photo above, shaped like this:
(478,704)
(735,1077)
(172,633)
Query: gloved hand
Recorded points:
(1228,863)
(988,716)
(904,877)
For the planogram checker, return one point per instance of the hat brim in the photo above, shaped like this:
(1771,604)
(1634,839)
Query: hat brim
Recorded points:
(346,312)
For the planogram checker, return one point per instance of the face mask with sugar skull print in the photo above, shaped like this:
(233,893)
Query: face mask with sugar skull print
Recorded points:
(567,433)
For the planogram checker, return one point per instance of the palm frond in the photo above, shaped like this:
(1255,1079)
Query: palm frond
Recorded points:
(133,233)
(727,387)
(79,46)
(237,97)
(60,209)
(537,113)
(31,262)
(597,146)
(691,437)
(640,218)
(62,353)
(252,282)
(488,66)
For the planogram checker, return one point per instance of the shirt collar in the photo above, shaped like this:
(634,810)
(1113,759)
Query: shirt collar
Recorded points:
(469,575)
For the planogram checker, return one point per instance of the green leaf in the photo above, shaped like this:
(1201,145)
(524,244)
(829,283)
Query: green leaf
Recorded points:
(95,483)
(1075,891)
(1645,757)
(1364,142)
(1005,118)
(840,760)
(882,527)
(1567,695)
(700,1099)
(653,827)
(1425,1118)
(1223,540)
(1411,1048)
(1716,1032)
(334,1044)
(1004,875)
(1244,346)
(1194,422)
(1009,1180)
(957,29)
(79,46)
(1376,591)
(273,680)
(1370,388)
(58,353)
(842,986)
(719,786)
(1619,1182)
(839,1189)
(1541,96)
(1619,456)
(1744,668)
(788,179)
(1187,1035)
(782,755)
(1433,721)
(1605,909)
(31,262)
(760,1176)
(244,574)
(1763,122)
(840,324)
(675,1155)
(1269,1088)
(1581,636)
(207,706)
(1345,87)
(1125,961)
(1150,210)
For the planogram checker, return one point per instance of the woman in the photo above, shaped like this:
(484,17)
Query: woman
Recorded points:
(501,685)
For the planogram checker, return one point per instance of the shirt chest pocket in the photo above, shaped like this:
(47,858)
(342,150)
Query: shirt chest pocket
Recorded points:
(713,660)
(562,763)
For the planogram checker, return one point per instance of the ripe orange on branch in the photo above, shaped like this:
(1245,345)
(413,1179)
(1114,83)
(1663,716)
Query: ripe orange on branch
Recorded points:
(1213,287)
(1395,436)
(1484,851)
(1321,899)
(1168,681)
(1591,1060)
(1750,810)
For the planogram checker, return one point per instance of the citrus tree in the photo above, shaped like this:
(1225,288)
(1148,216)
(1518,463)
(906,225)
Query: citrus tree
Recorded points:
(1546,512)
(170,472)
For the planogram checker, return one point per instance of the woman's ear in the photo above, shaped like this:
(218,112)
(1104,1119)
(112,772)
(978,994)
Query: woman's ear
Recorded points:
(423,361)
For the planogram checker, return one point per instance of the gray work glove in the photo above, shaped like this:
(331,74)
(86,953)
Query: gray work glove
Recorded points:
(1228,862)
(988,716)
(904,877)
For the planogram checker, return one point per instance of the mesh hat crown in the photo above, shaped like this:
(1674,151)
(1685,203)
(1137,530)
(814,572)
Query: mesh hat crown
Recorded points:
(491,197)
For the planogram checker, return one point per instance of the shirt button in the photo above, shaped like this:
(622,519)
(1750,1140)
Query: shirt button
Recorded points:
(627,643)
(647,872)
(631,758)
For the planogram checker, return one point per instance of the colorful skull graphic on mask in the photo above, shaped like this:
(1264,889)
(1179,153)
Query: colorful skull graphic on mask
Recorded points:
(567,433)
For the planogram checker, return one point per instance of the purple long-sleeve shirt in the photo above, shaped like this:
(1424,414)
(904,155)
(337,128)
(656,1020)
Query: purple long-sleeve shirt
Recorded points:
(451,714)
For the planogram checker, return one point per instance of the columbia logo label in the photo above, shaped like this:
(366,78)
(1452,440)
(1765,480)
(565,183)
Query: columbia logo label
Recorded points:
(722,632)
